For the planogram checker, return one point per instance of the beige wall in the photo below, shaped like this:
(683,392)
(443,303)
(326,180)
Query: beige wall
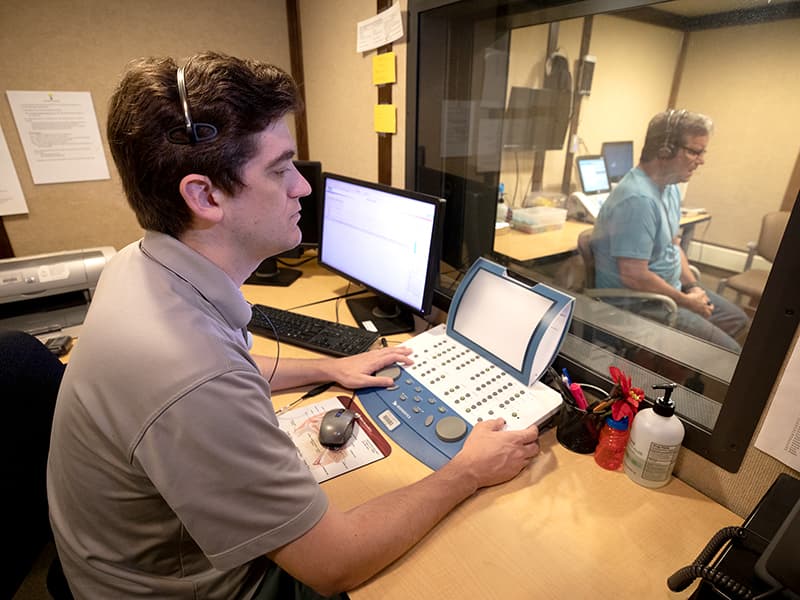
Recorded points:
(340,94)
(83,46)
(754,102)
(64,46)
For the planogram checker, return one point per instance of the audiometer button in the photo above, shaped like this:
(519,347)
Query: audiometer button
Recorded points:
(392,371)
(451,429)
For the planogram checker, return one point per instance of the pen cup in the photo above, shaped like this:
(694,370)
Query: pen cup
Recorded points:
(578,430)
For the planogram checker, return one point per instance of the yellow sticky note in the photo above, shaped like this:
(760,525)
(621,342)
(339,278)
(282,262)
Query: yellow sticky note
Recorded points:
(383,69)
(385,118)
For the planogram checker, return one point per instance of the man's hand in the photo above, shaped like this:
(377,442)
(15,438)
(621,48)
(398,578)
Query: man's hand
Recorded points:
(356,371)
(492,455)
(697,301)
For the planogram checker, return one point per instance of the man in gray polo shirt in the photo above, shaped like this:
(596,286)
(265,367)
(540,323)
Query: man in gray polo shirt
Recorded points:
(168,475)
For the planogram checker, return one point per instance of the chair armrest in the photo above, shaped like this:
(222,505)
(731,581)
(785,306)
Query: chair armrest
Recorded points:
(695,271)
(751,254)
(669,304)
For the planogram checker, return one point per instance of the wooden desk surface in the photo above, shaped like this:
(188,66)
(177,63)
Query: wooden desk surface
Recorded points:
(564,528)
(523,247)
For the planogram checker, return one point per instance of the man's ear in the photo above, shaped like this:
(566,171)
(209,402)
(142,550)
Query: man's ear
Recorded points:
(201,196)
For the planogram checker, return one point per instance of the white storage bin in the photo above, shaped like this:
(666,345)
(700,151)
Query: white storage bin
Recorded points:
(538,219)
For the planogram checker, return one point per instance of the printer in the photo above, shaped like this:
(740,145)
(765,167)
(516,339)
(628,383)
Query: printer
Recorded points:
(49,292)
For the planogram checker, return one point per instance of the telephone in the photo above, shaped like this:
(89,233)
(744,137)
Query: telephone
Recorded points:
(585,207)
(758,559)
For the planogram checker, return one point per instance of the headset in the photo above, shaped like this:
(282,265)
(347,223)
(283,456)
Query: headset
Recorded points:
(669,147)
(194,132)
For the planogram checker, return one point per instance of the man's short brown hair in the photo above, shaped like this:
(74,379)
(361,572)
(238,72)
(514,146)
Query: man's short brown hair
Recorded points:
(239,97)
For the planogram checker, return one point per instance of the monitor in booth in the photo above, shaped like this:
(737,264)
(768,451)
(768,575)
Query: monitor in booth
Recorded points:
(619,159)
(269,272)
(387,240)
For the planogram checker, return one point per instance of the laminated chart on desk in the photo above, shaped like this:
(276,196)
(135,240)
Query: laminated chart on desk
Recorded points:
(486,362)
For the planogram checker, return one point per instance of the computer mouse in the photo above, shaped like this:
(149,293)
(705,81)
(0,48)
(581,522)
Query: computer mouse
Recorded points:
(336,427)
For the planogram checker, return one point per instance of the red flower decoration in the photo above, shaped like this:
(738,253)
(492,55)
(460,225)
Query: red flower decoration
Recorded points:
(626,398)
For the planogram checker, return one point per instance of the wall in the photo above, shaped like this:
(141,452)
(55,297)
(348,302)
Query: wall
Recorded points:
(61,45)
(753,102)
(340,94)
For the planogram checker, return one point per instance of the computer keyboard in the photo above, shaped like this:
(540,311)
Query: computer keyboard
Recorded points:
(315,334)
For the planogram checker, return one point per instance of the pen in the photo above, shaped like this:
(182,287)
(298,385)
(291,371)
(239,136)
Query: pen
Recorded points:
(567,380)
(558,381)
(309,394)
(316,390)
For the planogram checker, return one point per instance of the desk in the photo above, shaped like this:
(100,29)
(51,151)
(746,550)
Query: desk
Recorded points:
(688,223)
(564,528)
(523,247)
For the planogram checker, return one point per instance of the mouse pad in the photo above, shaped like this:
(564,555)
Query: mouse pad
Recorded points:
(365,446)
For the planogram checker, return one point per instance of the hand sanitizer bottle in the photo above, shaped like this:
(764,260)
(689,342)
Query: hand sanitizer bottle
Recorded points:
(656,437)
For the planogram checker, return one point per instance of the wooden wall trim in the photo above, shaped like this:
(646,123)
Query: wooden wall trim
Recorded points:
(679,66)
(384,97)
(298,74)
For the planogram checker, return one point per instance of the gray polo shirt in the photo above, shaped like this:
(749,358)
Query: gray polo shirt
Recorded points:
(168,476)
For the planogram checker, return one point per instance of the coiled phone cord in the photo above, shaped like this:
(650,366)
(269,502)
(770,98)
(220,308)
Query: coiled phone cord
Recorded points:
(682,578)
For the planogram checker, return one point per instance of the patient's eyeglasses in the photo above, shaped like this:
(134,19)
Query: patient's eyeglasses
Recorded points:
(190,132)
(694,154)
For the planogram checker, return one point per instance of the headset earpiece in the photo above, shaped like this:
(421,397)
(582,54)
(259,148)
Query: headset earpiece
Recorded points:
(669,147)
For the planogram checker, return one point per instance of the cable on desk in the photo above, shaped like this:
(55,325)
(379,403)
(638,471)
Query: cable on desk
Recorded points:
(331,299)
(277,342)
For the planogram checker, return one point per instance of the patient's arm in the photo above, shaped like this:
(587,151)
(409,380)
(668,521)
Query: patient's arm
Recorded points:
(636,276)
(687,276)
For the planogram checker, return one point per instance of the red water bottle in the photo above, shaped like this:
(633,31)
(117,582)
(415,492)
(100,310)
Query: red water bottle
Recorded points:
(610,450)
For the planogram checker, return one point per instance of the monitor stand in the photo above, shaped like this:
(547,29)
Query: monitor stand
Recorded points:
(268,273)
(385,315)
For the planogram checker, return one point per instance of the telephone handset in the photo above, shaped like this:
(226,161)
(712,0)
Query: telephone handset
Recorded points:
(758,559)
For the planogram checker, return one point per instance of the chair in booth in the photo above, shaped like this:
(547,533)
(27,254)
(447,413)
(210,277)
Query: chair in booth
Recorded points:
(29,379)
(585,250)
(751,282)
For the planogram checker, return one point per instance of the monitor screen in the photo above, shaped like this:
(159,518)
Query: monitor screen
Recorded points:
(386,239)
(619,159)
(470,212)
(593,174)
(536,119)
(310,214)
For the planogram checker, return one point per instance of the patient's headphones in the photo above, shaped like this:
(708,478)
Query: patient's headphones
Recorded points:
(190,132)
(669,147)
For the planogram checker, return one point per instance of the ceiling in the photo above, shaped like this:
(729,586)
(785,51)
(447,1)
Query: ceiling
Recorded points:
(695,8)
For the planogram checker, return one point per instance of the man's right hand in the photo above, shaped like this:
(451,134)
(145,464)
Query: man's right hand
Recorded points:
(492,455)
(697,301)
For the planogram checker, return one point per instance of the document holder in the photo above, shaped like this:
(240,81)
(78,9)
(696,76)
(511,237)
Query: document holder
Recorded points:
(501,335)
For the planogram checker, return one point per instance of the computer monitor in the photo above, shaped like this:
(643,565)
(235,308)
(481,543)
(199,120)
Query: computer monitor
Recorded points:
(619,159)
(470,213)
(269,272)
(593,174)
(536,119)
(387,240)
